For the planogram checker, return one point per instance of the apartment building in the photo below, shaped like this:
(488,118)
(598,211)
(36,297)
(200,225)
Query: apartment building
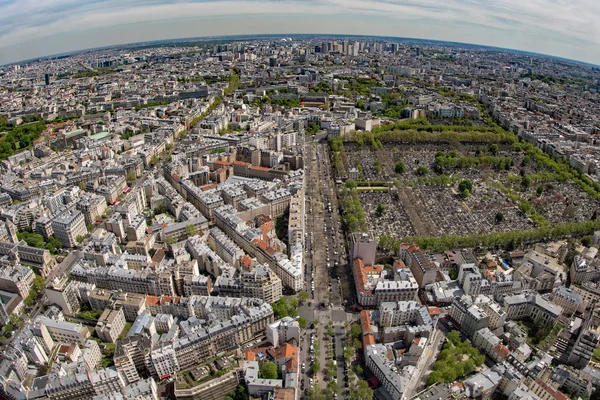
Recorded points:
(262,283)
(489,344)
(375,285)
(570,301)
(110,324)
(164,360)
(282,331)
(224,246)
(136,230)
(68,226)
(363,246)
(132,304)
(16,279)
(62,331)
(197,285)
(63,292)
(279,200)
(403,313)
(378,363)
(533,306)
(92,206)
(84,384)
(468,316)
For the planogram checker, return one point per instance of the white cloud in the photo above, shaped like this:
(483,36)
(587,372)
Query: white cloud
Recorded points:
(564,21)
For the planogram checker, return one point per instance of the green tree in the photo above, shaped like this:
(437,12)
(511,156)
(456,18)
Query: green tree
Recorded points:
(400,167)
(240,392)
(361,391)
(380,209)
(539,190)
(32,239)
(280,308)
(80,239)
(302,323)
(493,149)
(38,283)
(130,177)
(191,230)
(422,170)
(293,302)
(268,370)
(356,331)
(315,367)
(526,161)
(377,166)
(30,299)
(499,218)
(526,181)
(315,393)
(303,296)
(351,184)
(453,273)
(465,184)
(465,193)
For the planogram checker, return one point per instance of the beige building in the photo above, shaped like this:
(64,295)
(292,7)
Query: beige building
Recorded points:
(110,325)
(62,292)
(68,226)
(62,331)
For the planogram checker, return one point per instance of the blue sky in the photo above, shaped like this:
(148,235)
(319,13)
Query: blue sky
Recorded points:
(33,28)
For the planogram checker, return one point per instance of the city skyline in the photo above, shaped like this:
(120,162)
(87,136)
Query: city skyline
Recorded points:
(558,28)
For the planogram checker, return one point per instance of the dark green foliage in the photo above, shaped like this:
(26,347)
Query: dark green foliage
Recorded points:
(286,102)
(504,239)
(400,167)
(350,184)
(337,145)
(268,370)
(32,239)
(352,211)
(19,137)
(456,360)
(466,184)
(282,308)
(151,105)
(540,190)
(321,87)
(453,273)
(281,226)
(313,128)
(422,170)
(388,244)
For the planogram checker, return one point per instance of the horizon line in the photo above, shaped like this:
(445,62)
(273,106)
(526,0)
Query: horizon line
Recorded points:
(132,44)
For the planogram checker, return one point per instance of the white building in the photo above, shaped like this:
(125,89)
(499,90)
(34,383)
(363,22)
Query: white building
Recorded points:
(282,331)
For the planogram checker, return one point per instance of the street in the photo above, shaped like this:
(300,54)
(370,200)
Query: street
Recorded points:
(327,275)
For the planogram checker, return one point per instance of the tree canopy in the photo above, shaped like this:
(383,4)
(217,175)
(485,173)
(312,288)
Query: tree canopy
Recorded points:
(456,360)
(269,370)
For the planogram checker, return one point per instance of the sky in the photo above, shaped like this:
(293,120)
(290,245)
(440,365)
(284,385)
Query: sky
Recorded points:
(35,28)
